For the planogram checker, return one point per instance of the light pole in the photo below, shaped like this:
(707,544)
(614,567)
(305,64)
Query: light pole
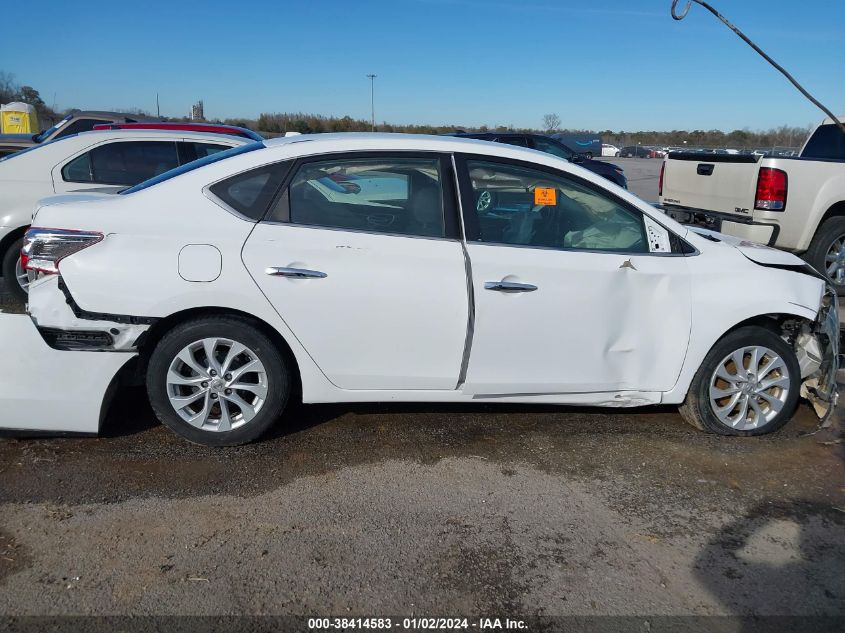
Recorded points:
(373,100)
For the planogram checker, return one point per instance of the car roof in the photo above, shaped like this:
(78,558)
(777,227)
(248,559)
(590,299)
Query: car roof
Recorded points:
(357,141)
(158,134)
(108,113)
(217,128)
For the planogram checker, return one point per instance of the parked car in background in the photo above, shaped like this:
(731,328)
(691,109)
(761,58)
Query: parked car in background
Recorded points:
(74,123)
(793,203)
(101,161)
(388,267)
(539,142)
(214,128)
(638,151)
(609,150)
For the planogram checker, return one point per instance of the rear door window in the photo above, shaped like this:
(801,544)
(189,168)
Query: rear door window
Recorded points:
(122,163)
(391,195)
(827,142)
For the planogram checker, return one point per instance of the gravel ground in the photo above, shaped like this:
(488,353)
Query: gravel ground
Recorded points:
(387,509)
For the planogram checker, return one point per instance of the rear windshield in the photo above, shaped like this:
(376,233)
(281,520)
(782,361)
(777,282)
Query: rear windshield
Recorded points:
(828,141)
(202,162)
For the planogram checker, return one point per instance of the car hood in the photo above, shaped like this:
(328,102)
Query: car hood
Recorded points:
(755,252)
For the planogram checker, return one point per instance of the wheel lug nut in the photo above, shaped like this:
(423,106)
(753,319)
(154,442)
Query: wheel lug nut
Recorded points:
(205,385)
(228,392)
(213,373)
(214,396)
(228,376)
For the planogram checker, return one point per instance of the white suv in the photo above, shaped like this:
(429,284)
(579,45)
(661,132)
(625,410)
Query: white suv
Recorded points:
(413,268)
(101,161)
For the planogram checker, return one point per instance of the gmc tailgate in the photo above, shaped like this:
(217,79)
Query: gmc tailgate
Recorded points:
(715,191)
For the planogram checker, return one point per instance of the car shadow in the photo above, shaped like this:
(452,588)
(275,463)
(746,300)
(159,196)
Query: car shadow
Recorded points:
(779,567)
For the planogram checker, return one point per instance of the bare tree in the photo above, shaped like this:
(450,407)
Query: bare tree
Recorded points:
(551,122)
(8,87)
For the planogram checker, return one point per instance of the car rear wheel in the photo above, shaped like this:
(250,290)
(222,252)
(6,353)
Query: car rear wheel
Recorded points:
(217,381)
(827,252)
(747,385)
(15,277)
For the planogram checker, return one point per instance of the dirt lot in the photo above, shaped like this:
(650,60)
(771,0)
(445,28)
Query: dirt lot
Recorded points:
(402,510)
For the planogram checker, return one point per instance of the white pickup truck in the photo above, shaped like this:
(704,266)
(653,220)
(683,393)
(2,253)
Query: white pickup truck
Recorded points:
(796,203)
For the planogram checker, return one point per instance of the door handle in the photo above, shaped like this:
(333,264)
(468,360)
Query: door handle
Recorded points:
(294,273)
(508,286)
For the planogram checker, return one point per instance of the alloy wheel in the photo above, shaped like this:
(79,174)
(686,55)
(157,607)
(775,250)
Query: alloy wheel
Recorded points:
(749,388)
(22,276)
(217,384)
(834,260)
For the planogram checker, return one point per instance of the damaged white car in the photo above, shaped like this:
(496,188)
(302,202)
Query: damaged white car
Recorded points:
(412,268)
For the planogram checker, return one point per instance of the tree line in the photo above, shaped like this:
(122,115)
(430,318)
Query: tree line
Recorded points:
(278,123)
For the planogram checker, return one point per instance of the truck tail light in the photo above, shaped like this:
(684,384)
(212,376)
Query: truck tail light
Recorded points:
(771,189)
(660,182)
(43,249)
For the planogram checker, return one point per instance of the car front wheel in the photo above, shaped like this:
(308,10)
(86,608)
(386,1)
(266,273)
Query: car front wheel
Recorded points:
(16,278)
(217,381)
(748,384)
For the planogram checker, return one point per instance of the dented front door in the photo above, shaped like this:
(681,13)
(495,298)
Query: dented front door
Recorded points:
(554,321)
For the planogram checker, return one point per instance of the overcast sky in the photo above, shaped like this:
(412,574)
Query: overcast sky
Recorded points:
(619,64)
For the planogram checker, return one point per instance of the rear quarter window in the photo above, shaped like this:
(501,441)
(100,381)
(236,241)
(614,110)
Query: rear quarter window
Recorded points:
(251,193)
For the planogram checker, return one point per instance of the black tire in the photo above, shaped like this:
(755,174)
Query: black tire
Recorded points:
(10,261)
(696,409)
(278,380)
(830,231)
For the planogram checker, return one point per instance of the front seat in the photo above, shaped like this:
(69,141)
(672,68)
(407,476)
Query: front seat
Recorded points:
(426,209)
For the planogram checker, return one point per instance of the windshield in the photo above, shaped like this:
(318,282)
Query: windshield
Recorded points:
(39,138)
(202,162)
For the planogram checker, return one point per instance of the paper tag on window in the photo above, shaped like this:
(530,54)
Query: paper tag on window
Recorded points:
(545,196)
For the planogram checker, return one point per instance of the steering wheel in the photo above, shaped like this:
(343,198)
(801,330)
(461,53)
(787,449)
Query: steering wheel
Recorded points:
(485,200)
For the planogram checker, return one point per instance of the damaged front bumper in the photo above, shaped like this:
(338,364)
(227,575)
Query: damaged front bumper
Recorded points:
(818,355)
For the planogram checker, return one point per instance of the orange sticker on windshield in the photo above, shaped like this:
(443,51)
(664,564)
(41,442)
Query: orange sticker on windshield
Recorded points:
(545,196)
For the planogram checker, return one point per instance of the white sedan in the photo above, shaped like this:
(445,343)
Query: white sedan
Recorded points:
(105,161)
(609,150)
(434,269)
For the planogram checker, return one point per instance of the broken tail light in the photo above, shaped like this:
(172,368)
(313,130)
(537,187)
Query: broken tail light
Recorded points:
(771,189)
(43,249)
